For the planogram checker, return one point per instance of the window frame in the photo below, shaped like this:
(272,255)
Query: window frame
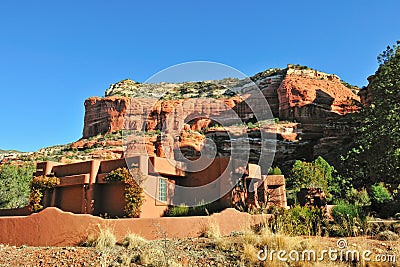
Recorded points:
(162,189)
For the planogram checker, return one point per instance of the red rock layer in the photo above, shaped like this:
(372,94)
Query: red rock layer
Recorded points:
(313,100)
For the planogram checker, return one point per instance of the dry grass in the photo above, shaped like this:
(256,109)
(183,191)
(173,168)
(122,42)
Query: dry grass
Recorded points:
(249,254)
(155,257)
(134,241)
(212,231)
(104,239)
(247,245)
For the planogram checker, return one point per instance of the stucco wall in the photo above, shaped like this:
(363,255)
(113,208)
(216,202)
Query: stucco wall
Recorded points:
(53,227)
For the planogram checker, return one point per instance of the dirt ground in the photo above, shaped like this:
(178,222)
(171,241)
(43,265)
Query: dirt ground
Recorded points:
(224,251)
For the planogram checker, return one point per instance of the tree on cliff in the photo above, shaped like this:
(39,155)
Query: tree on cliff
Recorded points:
(375,156)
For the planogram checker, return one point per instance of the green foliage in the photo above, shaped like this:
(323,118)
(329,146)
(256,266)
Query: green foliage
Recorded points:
(317,174)
(201,209)
(388,54)
(183,210)
(114,136)
(14,184)
(275,171)
(349,220)
(177,211)
(358,197)
(375,155)
(133,191)
(252,126)
(37,187)
(299,221)
(380,194)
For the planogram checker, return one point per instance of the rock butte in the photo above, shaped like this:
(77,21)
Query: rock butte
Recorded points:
(304,95)
(306,98)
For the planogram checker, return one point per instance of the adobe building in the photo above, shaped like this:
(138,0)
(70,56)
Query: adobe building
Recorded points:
(82,188)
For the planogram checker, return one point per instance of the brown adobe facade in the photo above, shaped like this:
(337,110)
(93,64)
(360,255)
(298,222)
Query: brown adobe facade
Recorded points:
(82,189)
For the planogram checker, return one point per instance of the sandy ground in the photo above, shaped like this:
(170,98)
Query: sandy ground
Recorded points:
(181,252)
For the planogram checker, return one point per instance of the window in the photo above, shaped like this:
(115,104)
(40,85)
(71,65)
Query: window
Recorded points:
(162,189)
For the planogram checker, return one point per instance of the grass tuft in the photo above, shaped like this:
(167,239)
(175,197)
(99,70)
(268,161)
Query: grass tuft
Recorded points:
(134,241)
(105,239)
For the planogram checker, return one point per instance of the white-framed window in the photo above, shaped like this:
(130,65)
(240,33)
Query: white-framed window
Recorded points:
(162,189)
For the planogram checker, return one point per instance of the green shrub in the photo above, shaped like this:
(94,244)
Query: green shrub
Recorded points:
(380,194)
(38,185)
(349,220)
(275,171)
(299,221)
(317,174)
(14,184)
(201,209)
(177,211)
(252,126)
(358,197)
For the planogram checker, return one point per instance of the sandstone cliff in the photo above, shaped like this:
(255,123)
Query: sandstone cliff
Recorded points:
(308,100)
(296,93)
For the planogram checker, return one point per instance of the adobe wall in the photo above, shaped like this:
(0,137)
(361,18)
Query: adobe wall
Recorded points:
(53,227)
(110,201)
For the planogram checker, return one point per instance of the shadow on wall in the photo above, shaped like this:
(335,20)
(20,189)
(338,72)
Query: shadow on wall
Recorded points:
(316,112)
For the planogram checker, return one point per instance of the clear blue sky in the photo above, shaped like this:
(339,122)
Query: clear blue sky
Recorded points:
(55,54)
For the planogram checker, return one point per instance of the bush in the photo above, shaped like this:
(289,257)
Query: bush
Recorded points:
(349,220)
(358,197)
(201,209)
(133,191)
(317,174)
(380,194)
(178,211)
(38,185)
(299,221)
(387,236)
(213,231)
(134,241)
(105,239)
(14,184)
(275,171)
(252,126)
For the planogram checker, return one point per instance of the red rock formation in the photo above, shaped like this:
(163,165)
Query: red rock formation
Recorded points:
(312,100)
(106,115)
(366,98)
(304,95)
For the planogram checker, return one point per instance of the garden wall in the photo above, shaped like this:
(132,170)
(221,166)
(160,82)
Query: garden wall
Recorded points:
(54,227)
